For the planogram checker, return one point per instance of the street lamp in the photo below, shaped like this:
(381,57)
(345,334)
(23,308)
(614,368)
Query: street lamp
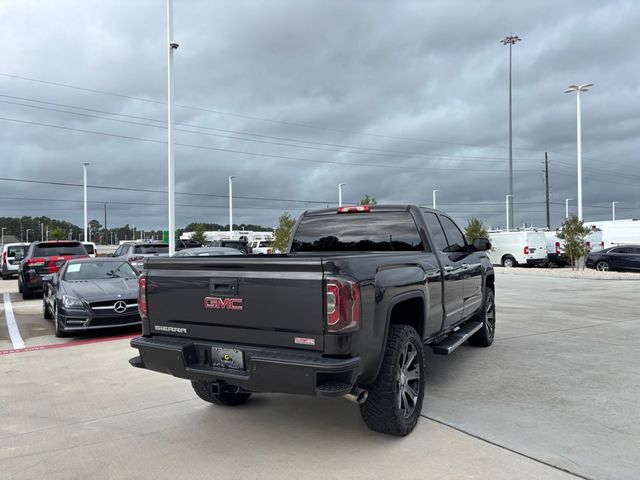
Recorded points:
(434,197)
(510,40)
(566,207)
(134,233)
(613,208)
(340,185)
(170,169)
(231,177)
(86,218)
(3,229)
(507,198)
(28,230)
(578,89)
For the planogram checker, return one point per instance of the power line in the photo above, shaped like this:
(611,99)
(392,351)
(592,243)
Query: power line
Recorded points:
(240,152)
(368,150)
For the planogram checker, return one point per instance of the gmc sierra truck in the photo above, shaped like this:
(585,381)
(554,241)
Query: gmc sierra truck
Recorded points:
(345,312)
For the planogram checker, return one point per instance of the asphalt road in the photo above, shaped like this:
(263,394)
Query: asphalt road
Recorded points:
(556,396)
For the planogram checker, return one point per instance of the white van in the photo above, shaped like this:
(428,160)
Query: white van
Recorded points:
(12,253)
(90,247)
(511,249)
(555,249)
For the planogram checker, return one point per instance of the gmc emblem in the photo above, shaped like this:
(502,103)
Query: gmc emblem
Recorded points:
(223,303)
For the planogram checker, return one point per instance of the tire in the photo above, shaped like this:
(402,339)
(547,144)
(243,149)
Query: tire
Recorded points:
(56,323)
(27,292)
(45,310)
(508,261)
(603,266)
(388,407)
(229,399)
(5,276)
(487,315)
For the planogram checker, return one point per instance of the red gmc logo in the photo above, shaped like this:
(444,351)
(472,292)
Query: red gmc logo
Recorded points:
(223,303)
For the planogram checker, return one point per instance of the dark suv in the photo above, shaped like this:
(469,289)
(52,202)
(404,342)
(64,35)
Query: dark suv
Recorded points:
(45,258)
(241,245)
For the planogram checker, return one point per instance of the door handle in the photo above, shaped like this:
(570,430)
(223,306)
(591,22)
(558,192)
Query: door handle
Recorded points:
(448,268)
(465,266)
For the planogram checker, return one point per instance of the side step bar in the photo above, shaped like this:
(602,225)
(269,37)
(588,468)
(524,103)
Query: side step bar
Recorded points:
(457,338)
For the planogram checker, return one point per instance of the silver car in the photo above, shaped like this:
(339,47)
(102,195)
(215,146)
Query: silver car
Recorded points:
(136,252)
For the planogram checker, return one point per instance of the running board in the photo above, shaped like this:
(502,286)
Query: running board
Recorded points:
(457,338)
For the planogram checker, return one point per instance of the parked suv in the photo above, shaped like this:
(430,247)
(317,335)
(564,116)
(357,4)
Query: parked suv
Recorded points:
(12,253)
(136,252)
(183,243)
(45,258)
(241,245)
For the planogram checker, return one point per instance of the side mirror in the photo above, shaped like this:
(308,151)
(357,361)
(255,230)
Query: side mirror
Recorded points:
(481,244)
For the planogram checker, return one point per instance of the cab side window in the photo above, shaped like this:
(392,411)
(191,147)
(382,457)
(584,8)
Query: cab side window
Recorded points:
(455,238)
(435,229)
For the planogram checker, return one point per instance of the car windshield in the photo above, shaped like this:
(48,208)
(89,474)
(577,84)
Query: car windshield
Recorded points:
(58,248)
(98,271)
(151,249)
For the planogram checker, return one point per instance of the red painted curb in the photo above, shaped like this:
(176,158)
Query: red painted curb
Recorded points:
(68,344)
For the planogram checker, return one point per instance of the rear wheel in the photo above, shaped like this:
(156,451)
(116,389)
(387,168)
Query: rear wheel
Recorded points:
(603,266)
(230,399)
(394,402)
(27,292)
(508,261)
(487,315)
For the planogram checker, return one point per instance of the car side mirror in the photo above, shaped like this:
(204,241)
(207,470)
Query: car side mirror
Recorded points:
(481,244)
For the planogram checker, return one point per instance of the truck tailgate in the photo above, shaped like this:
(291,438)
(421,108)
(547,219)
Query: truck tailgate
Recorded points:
(249,300)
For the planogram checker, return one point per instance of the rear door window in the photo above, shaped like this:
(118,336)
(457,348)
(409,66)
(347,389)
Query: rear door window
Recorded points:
(455,238)
(11,251)
(375,231)
(436,231)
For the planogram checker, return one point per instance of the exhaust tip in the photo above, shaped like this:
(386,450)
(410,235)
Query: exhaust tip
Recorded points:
(357,395)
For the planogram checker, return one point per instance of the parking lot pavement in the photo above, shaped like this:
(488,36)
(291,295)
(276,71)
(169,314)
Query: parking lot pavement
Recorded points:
(559,389)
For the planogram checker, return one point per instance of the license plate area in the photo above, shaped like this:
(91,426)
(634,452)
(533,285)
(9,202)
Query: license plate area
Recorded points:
(227,358)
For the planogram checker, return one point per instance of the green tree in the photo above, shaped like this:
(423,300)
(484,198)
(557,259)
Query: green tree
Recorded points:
(198,233)
(58,234)
(475,229)
(574,234)
(283,232)
(366,200)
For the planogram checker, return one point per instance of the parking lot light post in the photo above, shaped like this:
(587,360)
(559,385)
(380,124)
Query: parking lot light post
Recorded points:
(434,197)
(613,210)
(566,207)
(134,233)
(507,198)
(340,185)
(28,230)
(578,89)
(231,177)
(3,229)
(170,170)
(86,217)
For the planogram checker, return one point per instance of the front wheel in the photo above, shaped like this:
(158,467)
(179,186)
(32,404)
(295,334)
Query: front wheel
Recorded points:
(395,398)
(59,332)
(230,399)
(487,315)
(603,266)
(45,310)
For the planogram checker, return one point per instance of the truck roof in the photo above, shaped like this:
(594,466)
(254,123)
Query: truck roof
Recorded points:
(372,208)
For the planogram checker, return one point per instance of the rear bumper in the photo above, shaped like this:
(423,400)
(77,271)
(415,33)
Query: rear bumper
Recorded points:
(536,261)
(265,369)
(558,258)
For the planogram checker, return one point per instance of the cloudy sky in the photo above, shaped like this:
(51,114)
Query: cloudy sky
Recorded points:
(394,99)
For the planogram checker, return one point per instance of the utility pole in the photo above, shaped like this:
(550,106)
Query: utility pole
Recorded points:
(170,167)
(106,240)
(546,187)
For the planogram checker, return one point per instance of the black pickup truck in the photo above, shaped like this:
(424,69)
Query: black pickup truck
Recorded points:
(345,312)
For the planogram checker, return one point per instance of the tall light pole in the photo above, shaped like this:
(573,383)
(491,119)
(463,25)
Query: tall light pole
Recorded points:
(578,89)
(231,177)
(613,210)
(566,207)
(134,233)
(28,230)
(170,170)
(510,40)
(86,217)
(434,197)
(507,202)
(340,185)
(3,229)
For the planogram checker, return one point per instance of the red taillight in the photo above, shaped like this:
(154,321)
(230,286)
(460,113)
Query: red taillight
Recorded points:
(142,296)
(602,244)
(4,257)
(526,250)
(558,248)
(358,209)
(343,304)
(36,262)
